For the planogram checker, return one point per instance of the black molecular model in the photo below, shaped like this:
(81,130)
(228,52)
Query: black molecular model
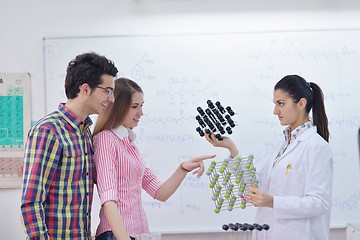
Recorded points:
(245,227)
(216,119)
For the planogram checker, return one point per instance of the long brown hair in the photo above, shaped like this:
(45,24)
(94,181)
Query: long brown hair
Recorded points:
(114,115)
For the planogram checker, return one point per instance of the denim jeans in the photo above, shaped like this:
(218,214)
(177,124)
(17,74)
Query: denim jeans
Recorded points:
(108,235)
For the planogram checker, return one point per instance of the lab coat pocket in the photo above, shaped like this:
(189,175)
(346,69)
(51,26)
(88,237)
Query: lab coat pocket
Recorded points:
(294,182)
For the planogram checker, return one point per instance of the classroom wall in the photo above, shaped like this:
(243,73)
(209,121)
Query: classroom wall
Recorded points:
(23,25)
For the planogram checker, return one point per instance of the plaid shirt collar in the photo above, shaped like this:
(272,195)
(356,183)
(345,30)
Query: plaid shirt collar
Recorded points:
(72,119)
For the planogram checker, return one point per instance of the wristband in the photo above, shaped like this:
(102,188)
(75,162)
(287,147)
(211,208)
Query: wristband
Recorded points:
(182,168)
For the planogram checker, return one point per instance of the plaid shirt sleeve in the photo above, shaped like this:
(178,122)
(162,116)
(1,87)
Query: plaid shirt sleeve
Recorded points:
(41,157)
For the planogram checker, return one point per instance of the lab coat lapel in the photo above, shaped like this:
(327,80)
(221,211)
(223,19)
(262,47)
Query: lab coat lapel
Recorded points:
(304,136)
(290,148)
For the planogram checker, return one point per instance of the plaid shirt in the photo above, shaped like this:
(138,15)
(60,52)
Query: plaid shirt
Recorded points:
(58,178)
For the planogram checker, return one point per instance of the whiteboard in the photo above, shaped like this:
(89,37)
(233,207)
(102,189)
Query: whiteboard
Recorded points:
(178,73)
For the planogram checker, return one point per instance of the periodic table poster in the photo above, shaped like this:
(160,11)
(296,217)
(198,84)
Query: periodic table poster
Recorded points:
(14,124)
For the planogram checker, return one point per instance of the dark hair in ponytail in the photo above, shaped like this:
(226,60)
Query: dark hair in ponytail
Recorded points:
(298,88)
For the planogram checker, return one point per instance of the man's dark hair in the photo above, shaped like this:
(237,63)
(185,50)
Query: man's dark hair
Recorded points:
(87,68)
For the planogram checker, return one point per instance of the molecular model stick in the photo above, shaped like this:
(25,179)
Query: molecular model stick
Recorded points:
(230,181)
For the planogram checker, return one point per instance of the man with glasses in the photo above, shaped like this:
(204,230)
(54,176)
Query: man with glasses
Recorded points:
(59,173)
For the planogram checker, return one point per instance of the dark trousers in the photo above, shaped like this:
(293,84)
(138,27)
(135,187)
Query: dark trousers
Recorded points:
(108,235)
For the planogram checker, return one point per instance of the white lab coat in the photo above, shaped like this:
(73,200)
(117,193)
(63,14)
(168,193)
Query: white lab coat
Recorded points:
(302,195)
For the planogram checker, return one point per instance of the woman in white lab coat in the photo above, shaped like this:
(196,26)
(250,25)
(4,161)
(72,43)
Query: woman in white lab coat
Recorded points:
(294,196)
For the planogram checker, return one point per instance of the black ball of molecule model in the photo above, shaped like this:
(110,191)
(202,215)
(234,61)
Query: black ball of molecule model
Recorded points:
(248,226)
(225,227)
(266,227)
(233,227)
(261,227)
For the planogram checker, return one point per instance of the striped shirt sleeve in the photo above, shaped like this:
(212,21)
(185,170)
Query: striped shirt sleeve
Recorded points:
(107,176)
(150,183)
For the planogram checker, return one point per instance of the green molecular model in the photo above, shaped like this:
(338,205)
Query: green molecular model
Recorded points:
(230,181)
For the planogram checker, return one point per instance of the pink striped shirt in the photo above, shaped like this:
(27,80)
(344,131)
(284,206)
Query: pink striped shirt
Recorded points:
(121,176)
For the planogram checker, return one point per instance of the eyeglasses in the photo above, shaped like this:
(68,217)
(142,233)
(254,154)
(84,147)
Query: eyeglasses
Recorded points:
(108,90)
